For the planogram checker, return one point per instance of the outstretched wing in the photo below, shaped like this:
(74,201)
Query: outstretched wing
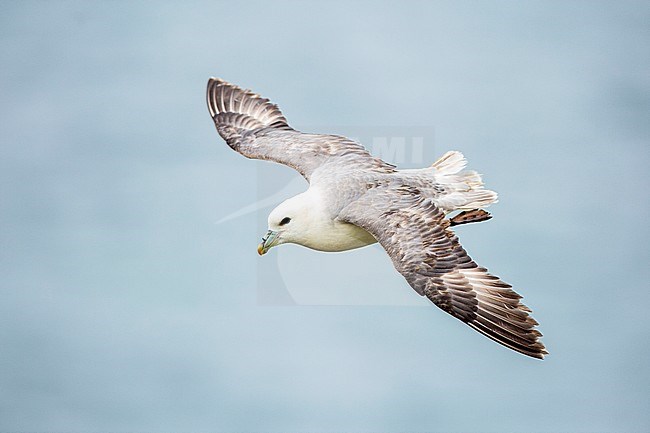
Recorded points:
(427,253)
(256,128)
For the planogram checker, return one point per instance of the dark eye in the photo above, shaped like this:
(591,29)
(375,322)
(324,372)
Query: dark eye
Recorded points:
(285,220)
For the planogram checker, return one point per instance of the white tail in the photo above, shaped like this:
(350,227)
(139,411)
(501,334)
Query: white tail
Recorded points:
(450,163)
(465,187)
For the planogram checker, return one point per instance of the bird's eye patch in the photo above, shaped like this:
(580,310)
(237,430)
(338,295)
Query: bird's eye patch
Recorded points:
(285,220)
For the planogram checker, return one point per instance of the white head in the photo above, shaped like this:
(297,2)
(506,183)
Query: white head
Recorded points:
(290,222)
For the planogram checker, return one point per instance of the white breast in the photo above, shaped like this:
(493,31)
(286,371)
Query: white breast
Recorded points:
(338,236)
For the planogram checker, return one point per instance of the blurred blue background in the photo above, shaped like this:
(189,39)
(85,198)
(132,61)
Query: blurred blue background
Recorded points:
(125,307)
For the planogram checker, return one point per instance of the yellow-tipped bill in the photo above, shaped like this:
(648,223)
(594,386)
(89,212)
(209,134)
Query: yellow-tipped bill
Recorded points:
(269,240)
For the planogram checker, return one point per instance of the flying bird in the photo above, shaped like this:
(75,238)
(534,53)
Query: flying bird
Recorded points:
(355,200)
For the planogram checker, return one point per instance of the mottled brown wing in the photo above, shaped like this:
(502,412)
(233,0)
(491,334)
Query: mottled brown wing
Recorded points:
(470,216)
(416,235)
(256,128)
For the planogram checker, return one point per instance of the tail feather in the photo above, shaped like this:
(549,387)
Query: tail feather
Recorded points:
(450,163)
(236,111)
(465,188)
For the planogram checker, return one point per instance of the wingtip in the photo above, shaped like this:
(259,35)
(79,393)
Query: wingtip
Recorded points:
(542,354)
(234,109)
(216,80)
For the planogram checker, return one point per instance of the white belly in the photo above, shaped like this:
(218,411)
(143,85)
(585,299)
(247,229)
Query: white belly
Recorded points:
(340,237)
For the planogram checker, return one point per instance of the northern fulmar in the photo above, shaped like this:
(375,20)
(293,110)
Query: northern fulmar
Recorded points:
(355,200)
